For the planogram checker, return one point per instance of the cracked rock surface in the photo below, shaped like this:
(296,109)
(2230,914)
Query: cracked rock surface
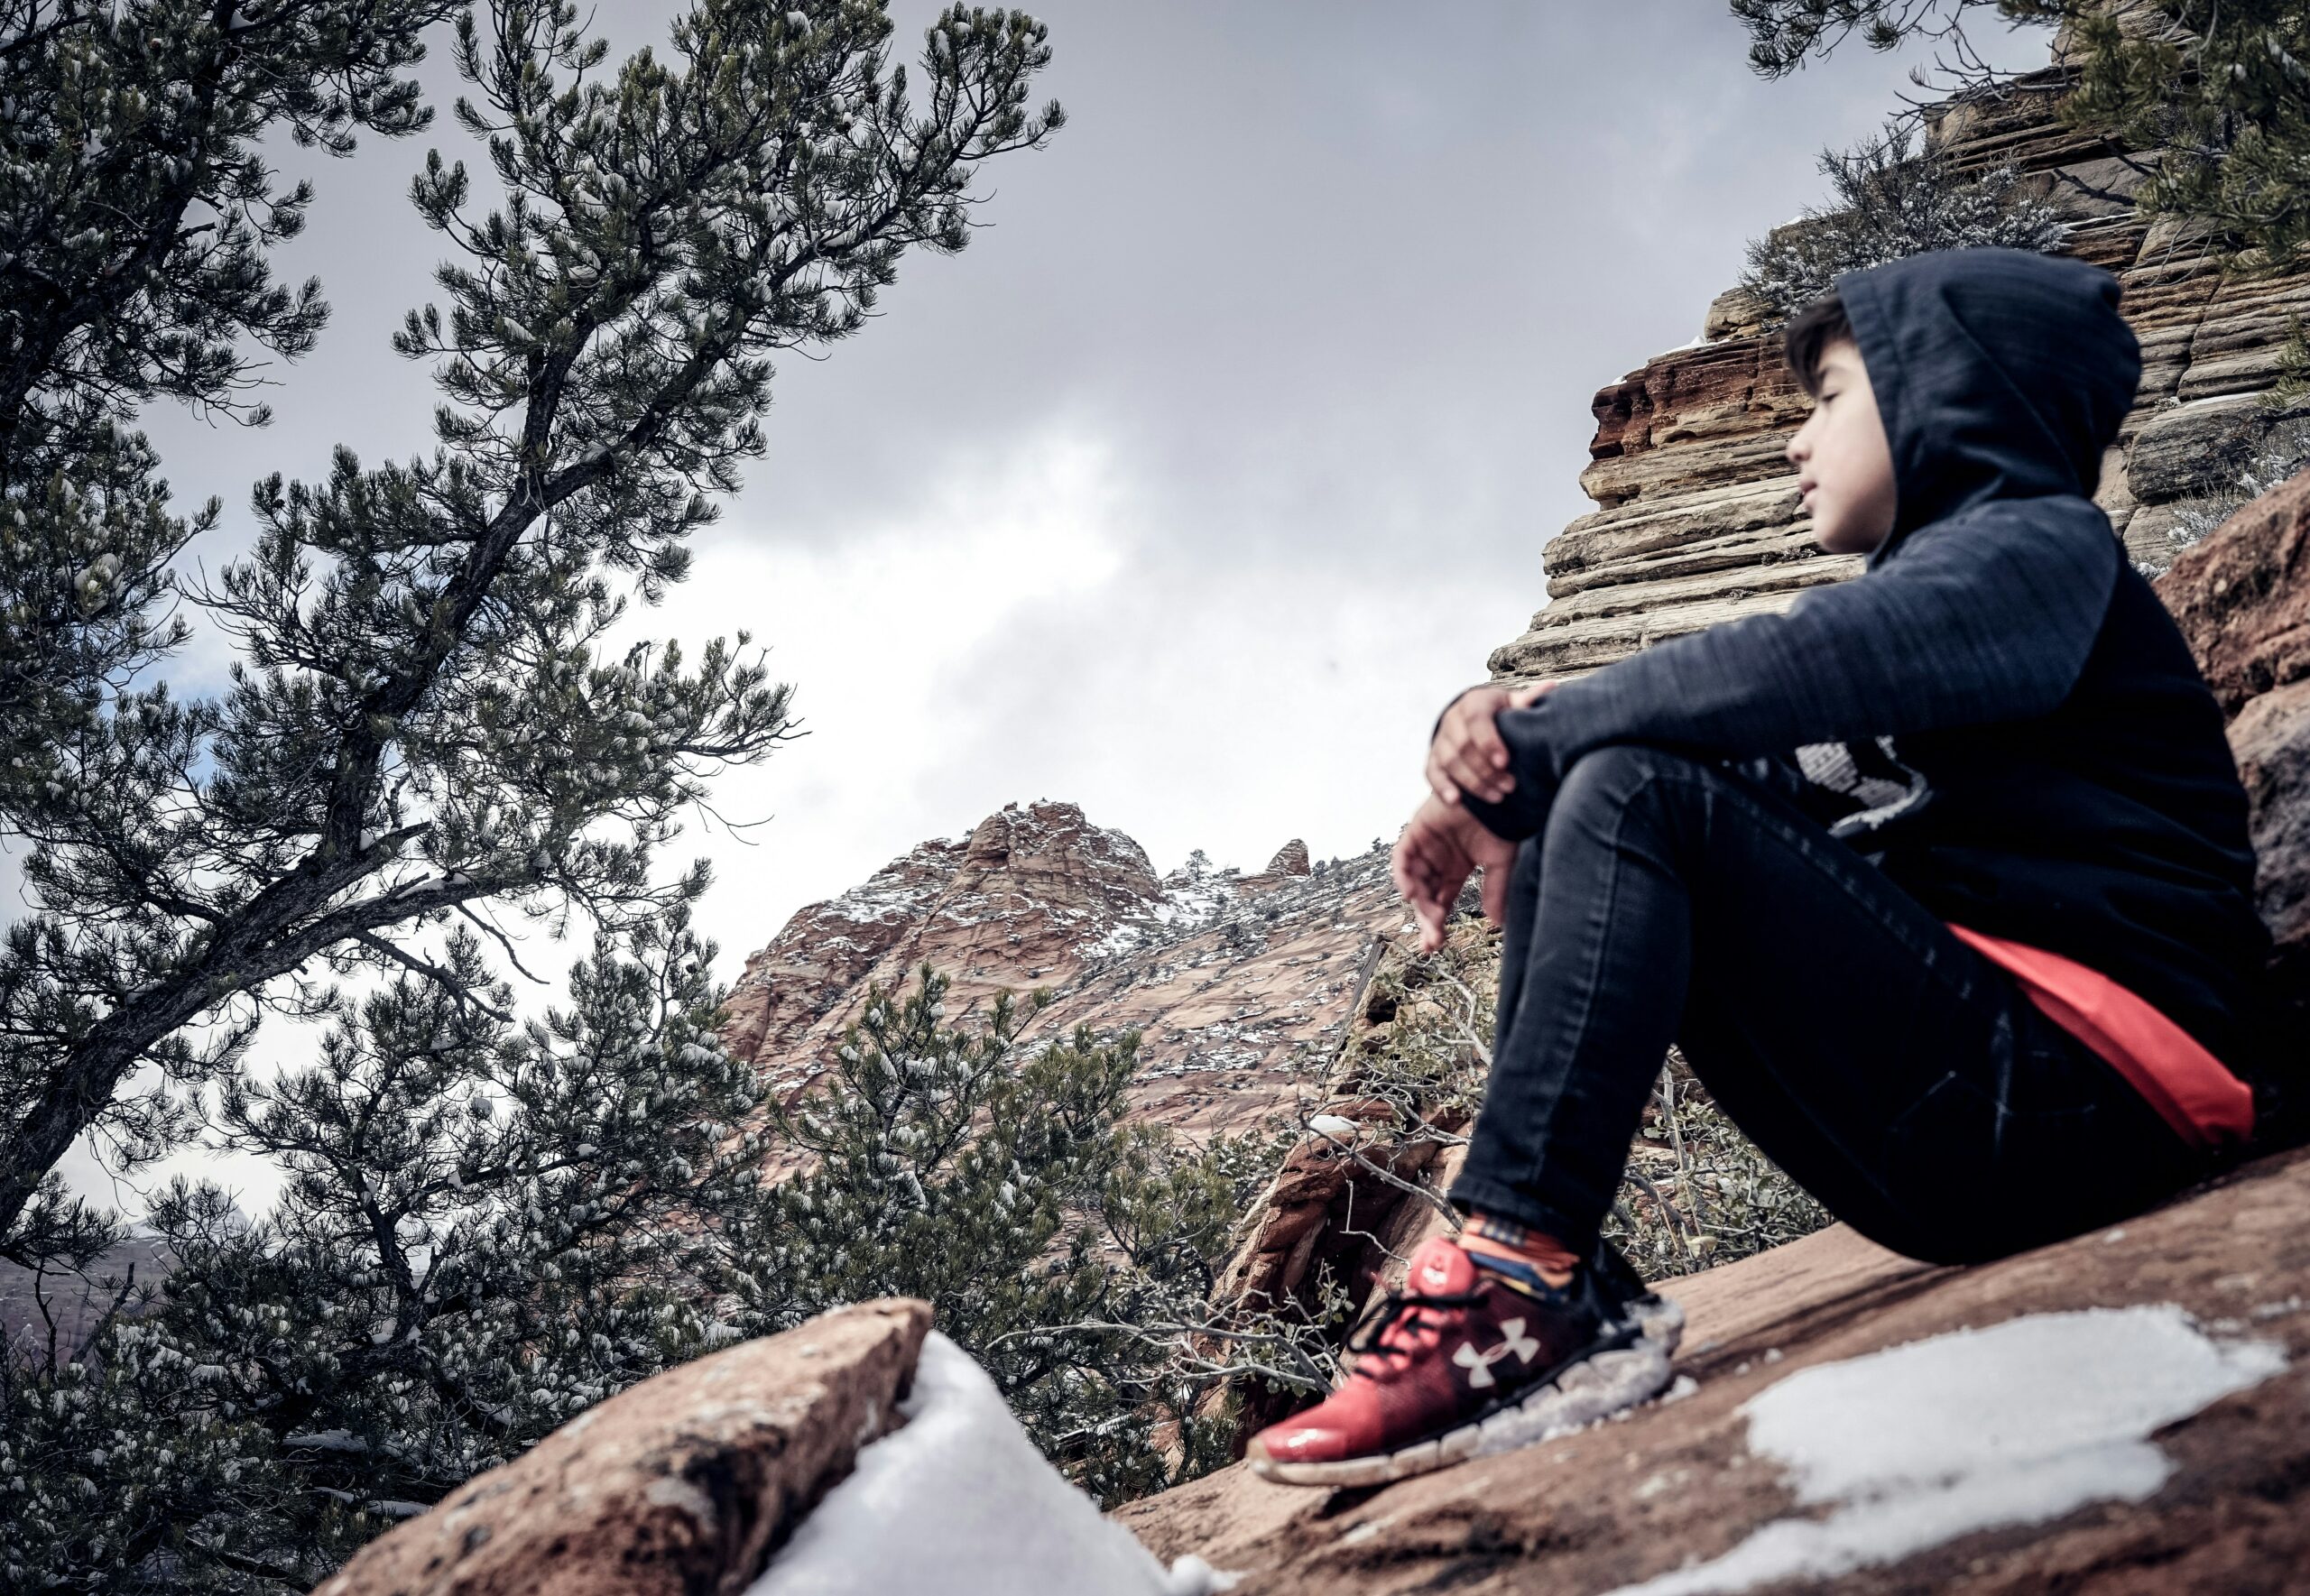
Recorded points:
(680,1486)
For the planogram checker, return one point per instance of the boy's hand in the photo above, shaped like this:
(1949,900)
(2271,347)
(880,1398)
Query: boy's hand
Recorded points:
(1434,858)
(1467,752)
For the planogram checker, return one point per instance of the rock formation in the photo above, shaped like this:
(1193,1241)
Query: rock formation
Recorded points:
(1697,517)
(1027,899)
(1239,986)
(681,1486)
(2271,738)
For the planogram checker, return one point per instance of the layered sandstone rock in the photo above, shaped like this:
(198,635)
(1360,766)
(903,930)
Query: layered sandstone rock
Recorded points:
(1239,986)
(681,1486)
(1697,519)
(1678,1483)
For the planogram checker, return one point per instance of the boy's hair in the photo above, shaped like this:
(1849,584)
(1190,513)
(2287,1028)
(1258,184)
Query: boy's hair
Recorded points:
(1809,331)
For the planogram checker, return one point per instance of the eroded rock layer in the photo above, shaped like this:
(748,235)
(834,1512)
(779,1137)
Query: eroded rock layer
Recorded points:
(682,1486)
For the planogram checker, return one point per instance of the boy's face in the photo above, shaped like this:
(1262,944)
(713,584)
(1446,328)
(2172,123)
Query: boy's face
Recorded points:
(1845,467)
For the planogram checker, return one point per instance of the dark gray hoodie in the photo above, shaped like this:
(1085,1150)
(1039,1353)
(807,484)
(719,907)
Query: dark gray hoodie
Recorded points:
(2073,790)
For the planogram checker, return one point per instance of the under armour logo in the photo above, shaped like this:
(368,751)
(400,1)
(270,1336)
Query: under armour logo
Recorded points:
(1479,1364)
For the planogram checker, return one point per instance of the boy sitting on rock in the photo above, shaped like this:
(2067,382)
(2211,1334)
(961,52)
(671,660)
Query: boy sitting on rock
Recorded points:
(1940,880)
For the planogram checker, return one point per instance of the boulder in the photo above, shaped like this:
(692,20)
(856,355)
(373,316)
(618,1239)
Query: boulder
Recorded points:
(1291,859)
(1020,903)
(682,1486)
(2243,596)
(1290,864)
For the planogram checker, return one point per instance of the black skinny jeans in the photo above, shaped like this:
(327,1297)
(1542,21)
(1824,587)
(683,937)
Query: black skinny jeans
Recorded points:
(1901,1077)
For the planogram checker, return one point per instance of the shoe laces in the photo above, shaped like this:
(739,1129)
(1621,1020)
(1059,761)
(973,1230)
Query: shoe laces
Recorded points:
(1406,1323)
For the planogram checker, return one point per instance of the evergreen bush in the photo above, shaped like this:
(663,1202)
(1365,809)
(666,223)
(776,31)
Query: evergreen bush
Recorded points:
(1890,202)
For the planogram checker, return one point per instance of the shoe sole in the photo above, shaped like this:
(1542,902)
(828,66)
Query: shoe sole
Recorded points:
(1590,1387)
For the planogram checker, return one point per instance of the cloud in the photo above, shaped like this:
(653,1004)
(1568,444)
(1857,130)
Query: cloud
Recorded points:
(884,631)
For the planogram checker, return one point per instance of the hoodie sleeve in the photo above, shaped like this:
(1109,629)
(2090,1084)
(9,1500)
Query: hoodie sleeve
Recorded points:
(1987,616)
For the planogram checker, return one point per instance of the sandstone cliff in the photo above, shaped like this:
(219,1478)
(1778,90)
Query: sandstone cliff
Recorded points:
(1697,517)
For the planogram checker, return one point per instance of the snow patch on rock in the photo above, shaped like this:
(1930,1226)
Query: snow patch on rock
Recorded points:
(958,1502)
(2018,1423)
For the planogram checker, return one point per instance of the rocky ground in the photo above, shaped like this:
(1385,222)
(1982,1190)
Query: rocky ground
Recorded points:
(1676,1483)
(2138,1478)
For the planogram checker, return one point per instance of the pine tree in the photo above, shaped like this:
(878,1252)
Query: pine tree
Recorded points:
(1073,1257)
(2207,100)
(422,721)
(2221,92)
(136,214)
(1891,202)
(125,1477)
(486,1228)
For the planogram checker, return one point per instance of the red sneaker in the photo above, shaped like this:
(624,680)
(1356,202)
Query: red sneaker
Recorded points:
(1462,1363)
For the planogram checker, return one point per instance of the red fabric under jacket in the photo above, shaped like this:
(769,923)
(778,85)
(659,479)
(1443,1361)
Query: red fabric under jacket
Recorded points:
(2189,1087)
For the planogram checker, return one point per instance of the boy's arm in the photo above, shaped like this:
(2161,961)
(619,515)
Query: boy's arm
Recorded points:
(1988,617)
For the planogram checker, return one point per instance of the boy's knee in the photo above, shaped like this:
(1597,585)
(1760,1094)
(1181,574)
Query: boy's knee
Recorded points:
(1608,780)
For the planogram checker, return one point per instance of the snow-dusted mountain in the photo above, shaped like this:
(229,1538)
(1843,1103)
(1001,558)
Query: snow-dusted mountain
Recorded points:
(1241,985)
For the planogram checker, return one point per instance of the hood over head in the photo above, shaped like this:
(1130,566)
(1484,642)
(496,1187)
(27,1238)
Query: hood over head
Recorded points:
(1999,374)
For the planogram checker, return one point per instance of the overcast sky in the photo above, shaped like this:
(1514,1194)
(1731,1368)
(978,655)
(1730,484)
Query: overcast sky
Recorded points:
(1222,457)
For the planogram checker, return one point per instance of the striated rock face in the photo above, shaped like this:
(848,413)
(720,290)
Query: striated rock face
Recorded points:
(1681,1481)
(1241,991)
(1290,860)
(681,1486)
(1240,986)
(1697,517)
